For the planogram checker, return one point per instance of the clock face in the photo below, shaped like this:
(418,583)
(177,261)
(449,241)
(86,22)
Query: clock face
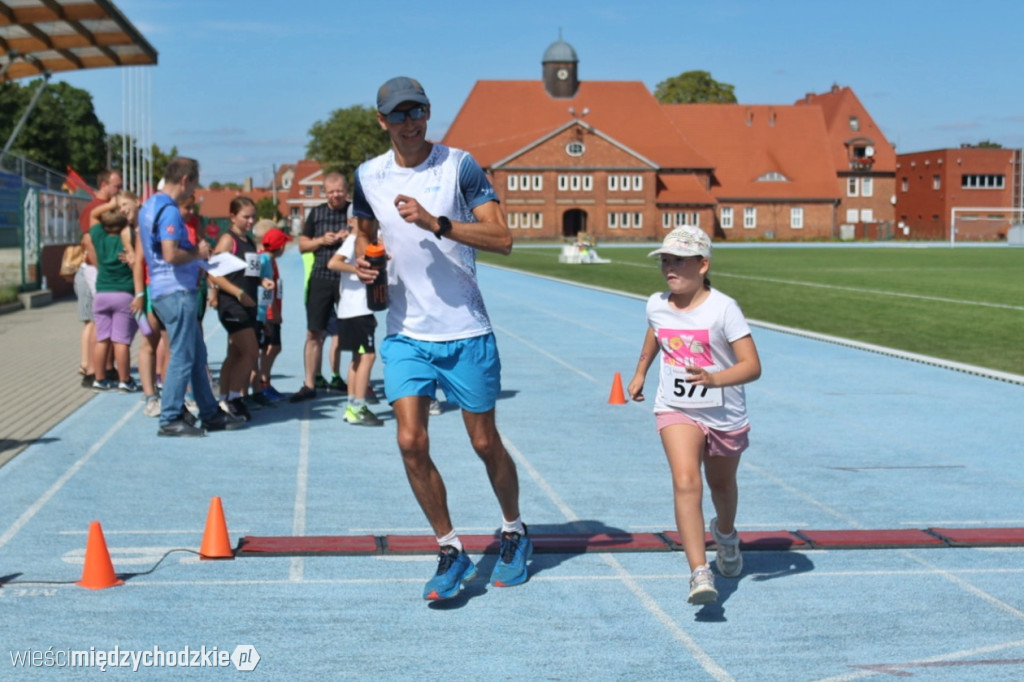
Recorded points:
(562,74)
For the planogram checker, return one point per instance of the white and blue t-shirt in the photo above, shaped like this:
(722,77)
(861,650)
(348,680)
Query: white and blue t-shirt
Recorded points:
(165,278)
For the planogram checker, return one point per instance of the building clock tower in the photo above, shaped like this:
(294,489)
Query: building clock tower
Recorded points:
(560,69)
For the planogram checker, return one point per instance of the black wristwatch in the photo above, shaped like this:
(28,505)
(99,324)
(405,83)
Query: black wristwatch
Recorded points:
(444,226)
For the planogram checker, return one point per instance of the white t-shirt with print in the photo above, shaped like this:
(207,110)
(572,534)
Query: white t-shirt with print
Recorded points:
(700,337)
(352,301)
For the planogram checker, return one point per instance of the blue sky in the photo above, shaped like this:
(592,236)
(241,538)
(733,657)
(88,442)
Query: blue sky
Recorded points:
(240,82)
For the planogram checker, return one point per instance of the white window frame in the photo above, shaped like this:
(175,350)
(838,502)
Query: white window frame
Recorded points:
(538,220)
(867,187)
(666,220)
(624,183)
(796,217)
(851,187)
(936,182)
(513,220)
(867,215)
(638,183)
(575,148)
(613,220)
(574,183)
(538,183)
(638,220)
(905,185)
(588,183)
(624,220)
(613,183)
(513,182)
(563,183)
(749,217)
(727,217)
(852,215)
(524,182)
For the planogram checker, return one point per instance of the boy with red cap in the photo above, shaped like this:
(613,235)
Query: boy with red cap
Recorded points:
(274,241)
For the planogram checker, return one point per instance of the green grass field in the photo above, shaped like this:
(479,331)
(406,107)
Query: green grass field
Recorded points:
(964,304)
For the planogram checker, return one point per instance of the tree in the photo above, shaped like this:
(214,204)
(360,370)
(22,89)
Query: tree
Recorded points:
(346,139)
(694,87)
(158,157)
(266,207)
(63,129)
(988,144)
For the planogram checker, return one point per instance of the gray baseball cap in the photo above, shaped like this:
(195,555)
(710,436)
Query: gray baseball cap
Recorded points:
(398,90)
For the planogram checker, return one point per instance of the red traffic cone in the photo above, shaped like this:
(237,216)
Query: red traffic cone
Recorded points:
(216,543)
(98,572)
(617,397)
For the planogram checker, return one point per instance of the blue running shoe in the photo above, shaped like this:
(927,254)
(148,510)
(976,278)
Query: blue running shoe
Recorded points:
(453,569)
(515,551)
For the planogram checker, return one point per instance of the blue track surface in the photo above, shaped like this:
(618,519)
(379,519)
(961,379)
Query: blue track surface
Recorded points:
(842,439)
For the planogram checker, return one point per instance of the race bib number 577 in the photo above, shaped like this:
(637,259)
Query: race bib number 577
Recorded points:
(682,348)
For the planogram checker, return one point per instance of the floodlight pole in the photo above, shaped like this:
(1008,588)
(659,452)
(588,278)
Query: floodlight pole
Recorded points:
(24,117)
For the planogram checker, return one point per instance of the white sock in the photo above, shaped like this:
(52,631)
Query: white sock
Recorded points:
(452,540)
(514,526)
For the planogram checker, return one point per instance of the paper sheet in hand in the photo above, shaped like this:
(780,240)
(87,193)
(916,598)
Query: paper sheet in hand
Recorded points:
(221,264)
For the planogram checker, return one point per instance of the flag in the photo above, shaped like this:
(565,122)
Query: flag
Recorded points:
(74,182)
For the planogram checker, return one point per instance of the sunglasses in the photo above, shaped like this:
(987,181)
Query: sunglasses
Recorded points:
(417,113)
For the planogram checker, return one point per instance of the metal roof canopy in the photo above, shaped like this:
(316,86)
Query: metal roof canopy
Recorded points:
(39,37)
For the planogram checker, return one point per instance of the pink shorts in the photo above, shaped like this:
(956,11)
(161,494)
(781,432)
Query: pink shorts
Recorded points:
(717,443)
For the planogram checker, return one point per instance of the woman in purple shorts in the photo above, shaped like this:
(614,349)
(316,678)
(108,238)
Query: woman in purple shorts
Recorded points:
(700,409)
(109,246)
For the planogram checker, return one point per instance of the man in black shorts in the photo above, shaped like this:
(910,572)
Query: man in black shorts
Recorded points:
(325,228)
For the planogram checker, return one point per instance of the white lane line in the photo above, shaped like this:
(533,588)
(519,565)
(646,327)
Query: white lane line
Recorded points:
(905,668)
(646,600)
(876,292)
(297,565)
(36,506)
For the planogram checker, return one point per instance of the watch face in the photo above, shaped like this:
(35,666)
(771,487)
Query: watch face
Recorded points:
(562,74)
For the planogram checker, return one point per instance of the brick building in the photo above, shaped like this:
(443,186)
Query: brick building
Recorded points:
(931,184)
(605,157)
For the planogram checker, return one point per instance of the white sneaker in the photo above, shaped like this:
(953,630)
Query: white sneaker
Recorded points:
(702,586)
(728,558)
(435,407)
(152,408)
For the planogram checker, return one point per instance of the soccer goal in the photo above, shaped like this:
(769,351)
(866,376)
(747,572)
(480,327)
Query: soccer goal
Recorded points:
(984,223)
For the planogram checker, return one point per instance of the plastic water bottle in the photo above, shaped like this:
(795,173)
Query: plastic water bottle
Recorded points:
(377,290)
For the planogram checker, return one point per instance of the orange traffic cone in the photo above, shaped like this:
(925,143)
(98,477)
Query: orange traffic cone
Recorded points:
(216,543)
(617,397)
(98,572)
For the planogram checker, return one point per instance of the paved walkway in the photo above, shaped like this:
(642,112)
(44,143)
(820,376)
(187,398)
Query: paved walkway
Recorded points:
(41,386)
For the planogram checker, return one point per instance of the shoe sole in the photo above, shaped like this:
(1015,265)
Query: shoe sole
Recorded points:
(438,596)
(180,435)
(705,596)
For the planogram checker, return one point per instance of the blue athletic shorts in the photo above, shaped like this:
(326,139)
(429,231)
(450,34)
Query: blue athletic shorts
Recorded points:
(468,370)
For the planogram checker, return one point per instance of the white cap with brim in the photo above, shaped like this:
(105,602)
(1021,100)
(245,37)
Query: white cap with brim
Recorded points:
(684,242)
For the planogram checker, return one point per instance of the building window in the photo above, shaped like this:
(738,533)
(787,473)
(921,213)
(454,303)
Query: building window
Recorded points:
(538,221)
(538,183)
(851,187)
(854,123)
(638,183)
(851,215)
(867,215)
(796,218)
(904,185)
(749,217)
(563,182)
(588,183)
(524,182)
(983,181)
(638,220)
(309,191)
(613,220)
(574,183)
(726,217)
(624,220)
(513,220)
(524,220)
(867,187)
(936,182)
(575,149)
(624,183)
(513,183)
(666,220)
(613,183)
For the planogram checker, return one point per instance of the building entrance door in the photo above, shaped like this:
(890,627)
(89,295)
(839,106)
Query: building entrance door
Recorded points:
(574,221)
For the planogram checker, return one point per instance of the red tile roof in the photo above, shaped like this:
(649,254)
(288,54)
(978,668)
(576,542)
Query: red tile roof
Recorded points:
(838,105)
(749,142)
(683,188)
(214,203)
(501,118)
